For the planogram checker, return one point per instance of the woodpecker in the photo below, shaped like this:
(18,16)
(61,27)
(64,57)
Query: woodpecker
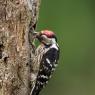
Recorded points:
(49,60)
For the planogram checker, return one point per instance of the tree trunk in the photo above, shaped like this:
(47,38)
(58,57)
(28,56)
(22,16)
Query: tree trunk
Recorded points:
(17,19)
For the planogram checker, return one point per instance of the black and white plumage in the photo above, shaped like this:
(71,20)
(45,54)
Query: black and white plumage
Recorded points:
(48,62)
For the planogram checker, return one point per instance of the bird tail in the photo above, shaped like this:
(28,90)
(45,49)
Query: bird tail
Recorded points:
(35,90)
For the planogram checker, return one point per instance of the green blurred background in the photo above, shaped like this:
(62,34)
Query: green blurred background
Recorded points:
(74,23)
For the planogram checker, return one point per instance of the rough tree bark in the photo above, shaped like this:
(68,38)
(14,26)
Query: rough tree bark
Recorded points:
(17,18)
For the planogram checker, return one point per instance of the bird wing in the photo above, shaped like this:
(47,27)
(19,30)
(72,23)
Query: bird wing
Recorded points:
(47,66)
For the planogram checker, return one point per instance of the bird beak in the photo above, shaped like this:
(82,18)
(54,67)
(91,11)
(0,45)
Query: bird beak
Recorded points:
(35,33)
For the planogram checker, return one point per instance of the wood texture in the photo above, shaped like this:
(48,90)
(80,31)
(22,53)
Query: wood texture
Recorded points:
(16,19)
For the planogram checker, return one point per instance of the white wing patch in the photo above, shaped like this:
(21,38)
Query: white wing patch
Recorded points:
(55,65)
(43,76)
(48,61)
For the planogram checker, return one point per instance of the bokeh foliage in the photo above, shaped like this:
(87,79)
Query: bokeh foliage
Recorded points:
(74,23)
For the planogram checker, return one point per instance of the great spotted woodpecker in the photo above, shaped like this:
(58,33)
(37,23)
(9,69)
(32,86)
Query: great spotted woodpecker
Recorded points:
(49,59)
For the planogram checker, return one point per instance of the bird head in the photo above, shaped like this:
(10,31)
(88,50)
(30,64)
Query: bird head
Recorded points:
(46,37)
